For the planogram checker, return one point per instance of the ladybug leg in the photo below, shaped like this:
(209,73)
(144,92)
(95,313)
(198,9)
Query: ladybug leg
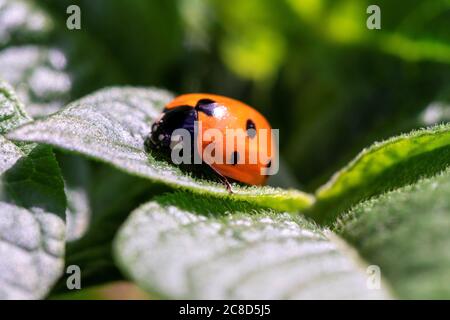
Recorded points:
(227,185)
(222,178)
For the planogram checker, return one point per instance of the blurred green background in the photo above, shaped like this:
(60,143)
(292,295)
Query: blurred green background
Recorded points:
(311,67)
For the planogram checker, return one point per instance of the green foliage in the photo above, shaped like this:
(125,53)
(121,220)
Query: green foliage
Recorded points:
(29,24)
(32,207)
(45,65)
(11,113)
(405,232)
(77,176)
(113,196)
(312,67)
(181,246)
(382,167)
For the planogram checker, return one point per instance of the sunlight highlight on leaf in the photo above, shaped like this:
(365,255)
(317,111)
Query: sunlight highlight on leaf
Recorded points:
(184,247)
(32,211)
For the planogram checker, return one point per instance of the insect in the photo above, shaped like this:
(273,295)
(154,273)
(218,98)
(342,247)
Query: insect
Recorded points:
(220,113)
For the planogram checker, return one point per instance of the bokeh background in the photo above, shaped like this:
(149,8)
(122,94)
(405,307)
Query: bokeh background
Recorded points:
(311,67)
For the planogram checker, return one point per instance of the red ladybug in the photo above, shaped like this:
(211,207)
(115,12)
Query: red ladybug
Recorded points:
(221,113)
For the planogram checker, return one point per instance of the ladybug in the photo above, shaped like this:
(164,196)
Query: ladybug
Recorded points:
(220,113)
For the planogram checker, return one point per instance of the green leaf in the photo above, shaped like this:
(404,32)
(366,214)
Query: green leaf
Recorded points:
(111,126)
(26,62)
(35,182)
(48,76)
(182,246)
(9,155)
(32,212)
(48,69)
(11,111)
(32,231)
(39,74)
(48,64)
(406,233)
(384,166)
(415,32)
(45,86)
(113,196)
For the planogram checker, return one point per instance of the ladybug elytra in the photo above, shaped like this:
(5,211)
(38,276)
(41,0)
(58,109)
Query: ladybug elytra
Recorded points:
(201,114)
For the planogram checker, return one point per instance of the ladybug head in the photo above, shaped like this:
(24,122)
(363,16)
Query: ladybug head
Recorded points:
(159,137)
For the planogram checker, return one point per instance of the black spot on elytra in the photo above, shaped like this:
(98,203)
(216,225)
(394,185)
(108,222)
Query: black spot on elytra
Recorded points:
(206,106)
(251,128)
(234,158)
